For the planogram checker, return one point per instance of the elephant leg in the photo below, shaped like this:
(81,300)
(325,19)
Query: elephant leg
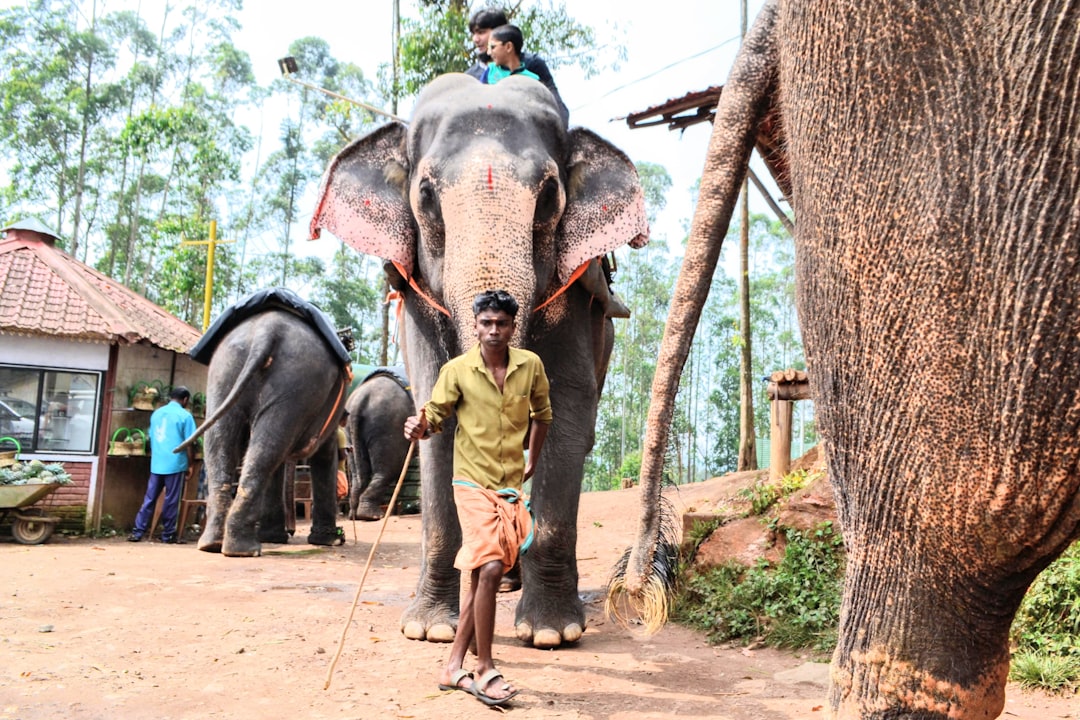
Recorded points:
(241,536)
(361,480)
(377,494)
(224,446)
(324,529)
(550,611)
(272,522)
(433,613)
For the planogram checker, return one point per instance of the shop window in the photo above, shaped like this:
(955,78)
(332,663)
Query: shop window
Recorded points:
(49,410)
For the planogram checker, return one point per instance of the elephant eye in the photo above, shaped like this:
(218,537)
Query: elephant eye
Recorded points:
(428,199)
(549,204)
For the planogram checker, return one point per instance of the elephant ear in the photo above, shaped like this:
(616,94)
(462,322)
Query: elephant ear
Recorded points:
(362,198)
(605,205)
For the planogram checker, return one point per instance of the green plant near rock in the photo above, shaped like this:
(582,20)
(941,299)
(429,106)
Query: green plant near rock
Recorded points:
(794,604)
(763,494)
(1046,630)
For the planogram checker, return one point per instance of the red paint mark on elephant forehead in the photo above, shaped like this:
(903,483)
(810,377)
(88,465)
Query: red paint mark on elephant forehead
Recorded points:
(491,179)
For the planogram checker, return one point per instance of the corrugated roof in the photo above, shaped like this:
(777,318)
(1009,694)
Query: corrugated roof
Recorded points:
(45,291)
(678,113)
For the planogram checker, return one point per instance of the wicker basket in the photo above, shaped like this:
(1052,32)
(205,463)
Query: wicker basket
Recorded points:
(9,457)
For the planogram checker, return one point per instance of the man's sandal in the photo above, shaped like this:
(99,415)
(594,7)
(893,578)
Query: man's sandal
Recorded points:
(486,679)
(455,681)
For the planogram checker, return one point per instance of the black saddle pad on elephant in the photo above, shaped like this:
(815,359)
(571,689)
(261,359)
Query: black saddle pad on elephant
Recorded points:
(394,372)
(278,298)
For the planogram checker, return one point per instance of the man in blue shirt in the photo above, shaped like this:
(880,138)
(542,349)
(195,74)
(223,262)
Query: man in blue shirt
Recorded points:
(170,425)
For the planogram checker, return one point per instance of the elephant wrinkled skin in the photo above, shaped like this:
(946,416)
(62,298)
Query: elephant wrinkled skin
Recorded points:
(934,159)
(486,189)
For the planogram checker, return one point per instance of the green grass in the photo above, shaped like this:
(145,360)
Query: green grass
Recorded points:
(1046,630)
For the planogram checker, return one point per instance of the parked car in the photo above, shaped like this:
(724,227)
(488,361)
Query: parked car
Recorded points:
(17,420)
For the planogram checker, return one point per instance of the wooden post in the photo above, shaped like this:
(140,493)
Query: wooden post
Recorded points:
(785,387)
(780,416)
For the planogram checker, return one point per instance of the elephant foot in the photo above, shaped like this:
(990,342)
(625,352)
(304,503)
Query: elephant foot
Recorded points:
(547,638)
(205,545)
(326,536)
(440,633)
(430,620)
(548,620)
(278,537)
(236,548)
(367,512)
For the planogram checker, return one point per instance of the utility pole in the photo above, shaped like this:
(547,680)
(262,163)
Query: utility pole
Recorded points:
(211,246)
(384,334)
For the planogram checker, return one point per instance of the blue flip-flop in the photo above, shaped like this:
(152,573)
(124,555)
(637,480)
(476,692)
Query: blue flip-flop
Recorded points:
(486,679)
(455,681)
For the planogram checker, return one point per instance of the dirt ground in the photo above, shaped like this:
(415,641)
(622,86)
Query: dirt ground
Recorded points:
(103,628)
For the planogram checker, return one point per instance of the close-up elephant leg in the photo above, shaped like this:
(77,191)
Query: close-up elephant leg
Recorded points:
(550,611)
(224,448)
(324,495)
(272,518)
(433,613)
(241,539)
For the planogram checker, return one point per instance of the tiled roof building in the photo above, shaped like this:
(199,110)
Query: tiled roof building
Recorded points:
(45,291)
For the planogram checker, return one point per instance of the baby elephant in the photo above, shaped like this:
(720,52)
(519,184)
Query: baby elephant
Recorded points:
(377,411)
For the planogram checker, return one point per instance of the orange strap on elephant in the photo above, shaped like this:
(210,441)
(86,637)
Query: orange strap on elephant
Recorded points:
(345,380)
(431,301)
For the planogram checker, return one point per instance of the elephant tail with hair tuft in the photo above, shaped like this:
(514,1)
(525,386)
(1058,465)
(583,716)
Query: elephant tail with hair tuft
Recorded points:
(260,358)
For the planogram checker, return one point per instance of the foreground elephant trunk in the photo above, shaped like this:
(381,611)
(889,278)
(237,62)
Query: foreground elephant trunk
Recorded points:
(934,164)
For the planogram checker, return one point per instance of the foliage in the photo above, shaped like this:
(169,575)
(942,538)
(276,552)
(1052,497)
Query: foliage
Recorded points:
(438,42)
(795,604)
(763,494)
(1046,629)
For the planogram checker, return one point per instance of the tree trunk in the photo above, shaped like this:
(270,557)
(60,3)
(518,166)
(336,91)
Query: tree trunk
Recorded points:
(747,444)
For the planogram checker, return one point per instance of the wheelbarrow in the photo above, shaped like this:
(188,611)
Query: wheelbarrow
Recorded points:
(31,526)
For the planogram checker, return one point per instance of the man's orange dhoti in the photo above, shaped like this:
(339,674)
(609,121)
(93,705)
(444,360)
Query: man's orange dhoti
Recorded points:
(494,525)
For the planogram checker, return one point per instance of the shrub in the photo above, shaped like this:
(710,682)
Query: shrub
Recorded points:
(795,604)
(1046,630)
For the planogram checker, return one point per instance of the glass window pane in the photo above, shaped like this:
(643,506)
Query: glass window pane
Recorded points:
(68,424)
(18,404)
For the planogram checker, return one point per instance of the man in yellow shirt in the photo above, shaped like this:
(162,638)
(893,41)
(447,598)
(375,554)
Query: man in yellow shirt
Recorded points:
(495,390)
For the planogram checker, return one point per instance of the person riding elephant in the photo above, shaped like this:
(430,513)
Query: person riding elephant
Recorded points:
(378,405)
(932,166)
(486,187)
(275,392)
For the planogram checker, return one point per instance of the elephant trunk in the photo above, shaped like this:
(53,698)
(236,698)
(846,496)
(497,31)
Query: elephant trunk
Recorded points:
(741,108)
(488,214)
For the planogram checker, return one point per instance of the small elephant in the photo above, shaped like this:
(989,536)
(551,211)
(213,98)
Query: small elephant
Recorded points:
(377,411)
(275,393)
(487,189)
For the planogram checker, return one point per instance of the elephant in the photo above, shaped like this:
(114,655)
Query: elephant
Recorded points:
(377,410)
(275,393)
(930,155)
(485,188)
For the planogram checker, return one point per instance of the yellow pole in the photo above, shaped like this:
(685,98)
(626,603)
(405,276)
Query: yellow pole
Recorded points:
(211,247)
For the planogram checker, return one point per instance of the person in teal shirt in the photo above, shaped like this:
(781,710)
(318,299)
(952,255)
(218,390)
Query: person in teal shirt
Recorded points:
(170,425)
(504,47)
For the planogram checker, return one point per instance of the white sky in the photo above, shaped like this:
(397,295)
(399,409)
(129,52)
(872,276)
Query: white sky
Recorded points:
(673,49)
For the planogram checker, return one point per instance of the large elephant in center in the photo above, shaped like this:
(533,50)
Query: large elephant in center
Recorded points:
(932,158)
(486,189)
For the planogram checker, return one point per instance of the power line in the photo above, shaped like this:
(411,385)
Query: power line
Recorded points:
(657,72)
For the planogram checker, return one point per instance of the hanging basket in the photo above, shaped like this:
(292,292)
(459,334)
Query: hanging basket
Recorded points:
(143,395)
(9,457)
(120,443)
(137,442)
